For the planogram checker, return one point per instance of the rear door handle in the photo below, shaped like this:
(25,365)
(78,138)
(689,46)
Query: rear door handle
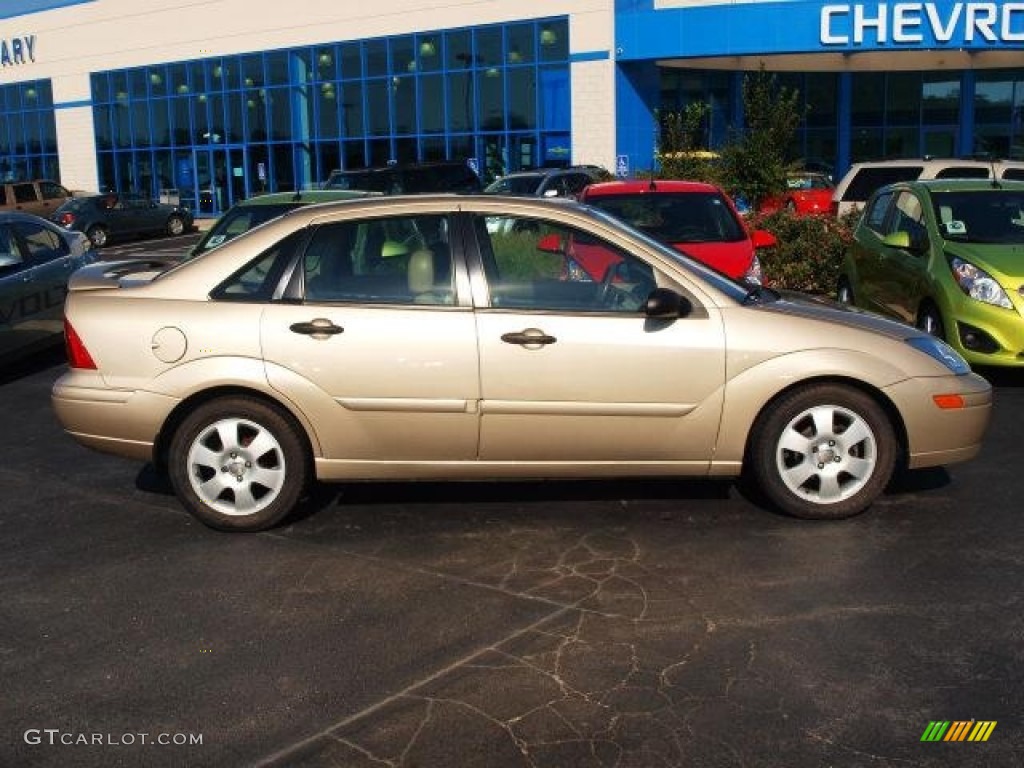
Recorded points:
(530,337)
(320,328)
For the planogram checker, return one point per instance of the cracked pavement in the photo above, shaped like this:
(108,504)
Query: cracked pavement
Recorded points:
(606,624)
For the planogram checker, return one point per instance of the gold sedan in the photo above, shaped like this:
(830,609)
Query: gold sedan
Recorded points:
(443,337)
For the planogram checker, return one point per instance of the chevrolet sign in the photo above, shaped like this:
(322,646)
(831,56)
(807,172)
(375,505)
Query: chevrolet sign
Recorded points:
(914,23)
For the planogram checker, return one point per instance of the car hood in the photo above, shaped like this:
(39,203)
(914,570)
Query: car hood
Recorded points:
(823,309)
(1000,259)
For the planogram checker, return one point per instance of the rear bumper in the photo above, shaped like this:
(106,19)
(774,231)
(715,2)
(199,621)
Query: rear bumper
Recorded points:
(120,422)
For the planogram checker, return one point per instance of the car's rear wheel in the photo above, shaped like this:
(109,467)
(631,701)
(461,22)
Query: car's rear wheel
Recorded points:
(98,235)
(238,464)
(175,225)
(823,452)
(930,321)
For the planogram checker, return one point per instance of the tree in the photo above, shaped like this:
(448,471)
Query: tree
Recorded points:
(682,145)
(754,161)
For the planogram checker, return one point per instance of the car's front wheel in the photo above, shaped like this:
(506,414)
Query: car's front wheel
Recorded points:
(824,451)
(98,235)
(175,226)
(238,464)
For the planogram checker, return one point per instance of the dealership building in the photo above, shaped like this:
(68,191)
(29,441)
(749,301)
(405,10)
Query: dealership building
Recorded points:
(222,99)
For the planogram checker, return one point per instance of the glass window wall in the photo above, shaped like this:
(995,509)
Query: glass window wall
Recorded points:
(223,128)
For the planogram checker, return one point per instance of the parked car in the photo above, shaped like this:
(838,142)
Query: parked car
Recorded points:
(36,260)
(693,217)
(807,194)
(548,182)
(405,338)
(40,197)
(948,257)
(112,216)
(409,178)
(252,212)
(858,183)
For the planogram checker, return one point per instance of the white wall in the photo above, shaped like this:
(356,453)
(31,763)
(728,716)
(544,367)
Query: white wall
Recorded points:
(72,42)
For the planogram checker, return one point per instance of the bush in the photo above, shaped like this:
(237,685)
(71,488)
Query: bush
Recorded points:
(809,253)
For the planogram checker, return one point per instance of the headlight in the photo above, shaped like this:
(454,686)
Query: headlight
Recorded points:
(979,284)
(939,350)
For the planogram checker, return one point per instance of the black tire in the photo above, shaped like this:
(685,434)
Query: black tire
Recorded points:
(98,235)
(844,293)
(822,452)
(216,441)
(175,226)
(930,321)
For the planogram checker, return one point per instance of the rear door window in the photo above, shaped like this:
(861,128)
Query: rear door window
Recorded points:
(24,193)
(869,179)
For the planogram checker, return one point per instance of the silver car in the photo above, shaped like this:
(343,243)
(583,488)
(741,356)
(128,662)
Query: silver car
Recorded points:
(444,337)
(36,260)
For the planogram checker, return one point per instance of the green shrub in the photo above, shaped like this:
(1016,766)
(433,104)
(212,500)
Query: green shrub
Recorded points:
(809,253)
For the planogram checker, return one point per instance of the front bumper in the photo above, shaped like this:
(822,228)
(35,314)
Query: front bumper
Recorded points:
(939,436)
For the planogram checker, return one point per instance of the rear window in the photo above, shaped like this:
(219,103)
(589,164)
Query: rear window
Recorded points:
(867,180)
(239,220)
(693,217)
(963,172)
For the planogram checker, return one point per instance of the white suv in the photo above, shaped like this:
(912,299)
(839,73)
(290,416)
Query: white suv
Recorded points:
(864,178)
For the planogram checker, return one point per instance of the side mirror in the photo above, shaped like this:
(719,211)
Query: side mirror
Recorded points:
(763,239)
(664,303)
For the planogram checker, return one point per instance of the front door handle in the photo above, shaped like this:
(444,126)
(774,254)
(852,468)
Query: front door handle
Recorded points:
(320,328)
(531,337)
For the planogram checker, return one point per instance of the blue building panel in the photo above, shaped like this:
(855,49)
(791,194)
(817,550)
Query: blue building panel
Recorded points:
(10,9)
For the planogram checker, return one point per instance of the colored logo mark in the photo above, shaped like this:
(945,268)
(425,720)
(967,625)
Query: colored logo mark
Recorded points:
(958,730)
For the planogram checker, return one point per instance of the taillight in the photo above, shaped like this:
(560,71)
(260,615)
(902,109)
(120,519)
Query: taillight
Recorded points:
(66,219)
(78,355)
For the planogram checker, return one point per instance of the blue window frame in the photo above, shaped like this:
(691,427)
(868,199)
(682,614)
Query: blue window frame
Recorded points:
(28,132)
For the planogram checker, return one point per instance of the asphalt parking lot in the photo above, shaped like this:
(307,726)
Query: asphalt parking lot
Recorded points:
(534,624)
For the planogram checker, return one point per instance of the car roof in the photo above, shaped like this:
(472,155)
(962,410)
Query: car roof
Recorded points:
(305,196)
(21,216)
(647,186)
(959,185)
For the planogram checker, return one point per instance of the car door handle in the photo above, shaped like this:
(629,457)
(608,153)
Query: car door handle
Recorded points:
(321,328)
(528,338)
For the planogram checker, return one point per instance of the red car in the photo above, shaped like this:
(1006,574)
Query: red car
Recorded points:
(807,194)
(694,218)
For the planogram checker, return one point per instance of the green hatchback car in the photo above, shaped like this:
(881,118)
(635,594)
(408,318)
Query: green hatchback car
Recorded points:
(948,257)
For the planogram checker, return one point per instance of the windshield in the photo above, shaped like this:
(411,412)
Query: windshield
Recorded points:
(238,221)
(735,289)
(684,217)
(994,216)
